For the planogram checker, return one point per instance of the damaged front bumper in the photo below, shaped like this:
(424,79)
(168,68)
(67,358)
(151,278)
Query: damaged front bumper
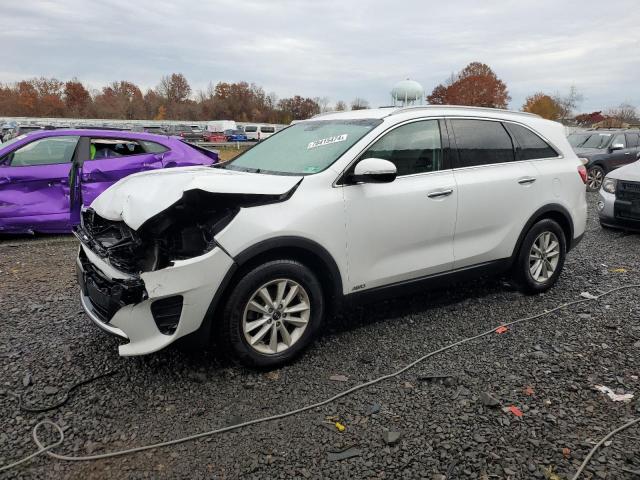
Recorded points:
(152,309)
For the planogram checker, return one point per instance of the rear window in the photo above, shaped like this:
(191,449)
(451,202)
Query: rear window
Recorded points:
(530,145)
(153,147)
(103,148)
(482,142)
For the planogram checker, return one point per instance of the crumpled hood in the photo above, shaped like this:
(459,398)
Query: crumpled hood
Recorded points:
(138,197)
(629,172)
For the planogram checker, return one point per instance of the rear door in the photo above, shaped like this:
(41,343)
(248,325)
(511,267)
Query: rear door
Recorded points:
(34,185)
(403,230)
(105,160)
(496,191)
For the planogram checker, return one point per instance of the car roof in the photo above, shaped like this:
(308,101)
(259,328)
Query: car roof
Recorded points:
(423,110)
(89,132)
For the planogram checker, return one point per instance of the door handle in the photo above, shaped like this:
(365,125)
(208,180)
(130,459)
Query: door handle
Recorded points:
(440,194)
(526,181)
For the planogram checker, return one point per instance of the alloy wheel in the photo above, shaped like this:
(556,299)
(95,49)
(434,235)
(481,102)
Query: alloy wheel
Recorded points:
(544,256)
(594,178)
(276,316)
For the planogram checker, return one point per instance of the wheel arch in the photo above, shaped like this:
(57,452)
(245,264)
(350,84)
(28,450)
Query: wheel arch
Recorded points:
(555,212)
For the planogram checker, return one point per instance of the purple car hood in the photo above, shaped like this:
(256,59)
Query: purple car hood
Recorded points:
(138,197)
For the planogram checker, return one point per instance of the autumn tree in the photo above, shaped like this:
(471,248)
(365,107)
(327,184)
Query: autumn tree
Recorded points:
(543,105)
(297,108)
(588,119)
(475,85)
(77,99)
(121,99)
(359,104)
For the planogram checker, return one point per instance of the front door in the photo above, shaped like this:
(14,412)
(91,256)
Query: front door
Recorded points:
(402,230)
(105,160)
(34,186)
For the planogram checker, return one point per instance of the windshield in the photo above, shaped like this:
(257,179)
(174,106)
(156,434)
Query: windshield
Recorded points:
(597,140)
(577,139)
(304,148)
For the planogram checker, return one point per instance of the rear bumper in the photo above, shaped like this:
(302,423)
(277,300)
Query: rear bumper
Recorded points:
(123,305)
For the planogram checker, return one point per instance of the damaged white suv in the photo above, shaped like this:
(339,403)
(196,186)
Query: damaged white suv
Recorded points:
(254,254)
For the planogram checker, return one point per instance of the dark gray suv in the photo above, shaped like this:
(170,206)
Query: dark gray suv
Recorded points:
(604,151)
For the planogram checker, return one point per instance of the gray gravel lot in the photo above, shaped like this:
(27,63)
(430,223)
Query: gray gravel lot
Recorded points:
(546,368)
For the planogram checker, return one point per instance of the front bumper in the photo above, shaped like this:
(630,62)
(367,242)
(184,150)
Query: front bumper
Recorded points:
(618,213)
(123,304)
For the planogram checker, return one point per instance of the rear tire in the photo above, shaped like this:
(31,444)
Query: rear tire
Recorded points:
(541,257)
(272,314)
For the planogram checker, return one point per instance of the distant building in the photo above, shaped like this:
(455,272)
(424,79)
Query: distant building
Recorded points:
(407,92)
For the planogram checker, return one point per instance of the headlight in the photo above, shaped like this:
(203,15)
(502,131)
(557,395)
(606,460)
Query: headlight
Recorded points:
(609,185)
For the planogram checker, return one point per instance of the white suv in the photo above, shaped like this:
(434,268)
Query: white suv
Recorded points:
(254,254)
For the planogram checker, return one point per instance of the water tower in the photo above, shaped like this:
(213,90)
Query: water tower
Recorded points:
(407,92)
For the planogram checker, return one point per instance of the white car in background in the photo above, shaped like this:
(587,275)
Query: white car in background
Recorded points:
(259,132)
(619,204)
(256,253)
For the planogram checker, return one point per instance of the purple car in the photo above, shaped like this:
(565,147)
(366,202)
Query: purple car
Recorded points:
(46,176)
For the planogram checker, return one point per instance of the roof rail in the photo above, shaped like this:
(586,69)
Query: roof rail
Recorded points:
(460,107)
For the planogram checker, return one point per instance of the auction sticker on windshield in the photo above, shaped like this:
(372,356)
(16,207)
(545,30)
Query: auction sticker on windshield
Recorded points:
(327,141)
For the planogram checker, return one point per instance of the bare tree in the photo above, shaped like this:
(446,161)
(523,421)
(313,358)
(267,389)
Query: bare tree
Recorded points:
(323,103)
(359,104)
(625,112)
(568,103)
(340,106)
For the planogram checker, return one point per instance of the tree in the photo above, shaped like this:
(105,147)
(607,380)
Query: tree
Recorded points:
(588,119)
(542,105)
(359,104)
(475,85)
(568,103)
(625,113)
(77,99)
(323,103)
(341,106)
(297,108)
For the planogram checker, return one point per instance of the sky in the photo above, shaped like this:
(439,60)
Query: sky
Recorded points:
(340,49)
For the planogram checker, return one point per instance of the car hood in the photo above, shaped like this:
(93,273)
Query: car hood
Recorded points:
(138,197)
(629,172)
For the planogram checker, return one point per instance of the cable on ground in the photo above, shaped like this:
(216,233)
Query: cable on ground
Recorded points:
(42,449)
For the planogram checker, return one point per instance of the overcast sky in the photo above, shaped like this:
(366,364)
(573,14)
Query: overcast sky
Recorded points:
(339,49)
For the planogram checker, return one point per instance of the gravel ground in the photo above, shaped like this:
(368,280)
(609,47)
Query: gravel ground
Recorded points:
(448,427)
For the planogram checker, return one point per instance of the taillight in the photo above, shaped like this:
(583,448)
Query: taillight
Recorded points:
(582,170)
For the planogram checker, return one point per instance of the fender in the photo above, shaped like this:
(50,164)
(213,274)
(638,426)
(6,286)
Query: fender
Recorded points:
(541,212)
(298,243)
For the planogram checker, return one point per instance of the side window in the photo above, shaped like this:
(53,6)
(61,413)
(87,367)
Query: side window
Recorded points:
(268,129)
(102,148)
(413,148)
(153,147)
(619,140)
(46,151)
(632,140)
(530,145)
(482,142)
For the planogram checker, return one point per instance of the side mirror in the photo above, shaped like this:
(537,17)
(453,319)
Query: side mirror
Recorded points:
(617,146)
(374,170)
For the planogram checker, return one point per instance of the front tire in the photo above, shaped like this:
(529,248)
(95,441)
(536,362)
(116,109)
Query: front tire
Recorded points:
(541,257)
(272,314)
